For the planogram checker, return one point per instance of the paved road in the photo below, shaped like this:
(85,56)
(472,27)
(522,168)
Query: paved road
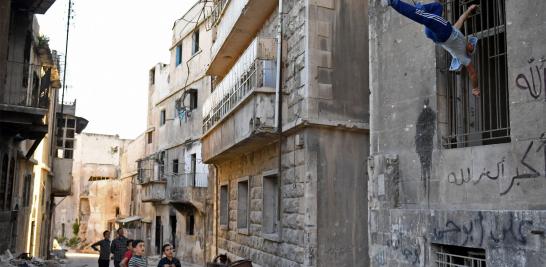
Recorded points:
(91,260)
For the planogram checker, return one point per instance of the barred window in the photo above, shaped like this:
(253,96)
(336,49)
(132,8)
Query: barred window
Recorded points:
(454,256)
(467,120)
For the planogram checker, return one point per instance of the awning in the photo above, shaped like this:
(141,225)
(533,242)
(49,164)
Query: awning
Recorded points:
(129,219)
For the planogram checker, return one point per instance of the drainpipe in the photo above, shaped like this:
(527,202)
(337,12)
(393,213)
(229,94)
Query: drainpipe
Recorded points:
(217,186)
(278,100)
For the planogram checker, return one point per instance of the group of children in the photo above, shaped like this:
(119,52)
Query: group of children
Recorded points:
(132,255)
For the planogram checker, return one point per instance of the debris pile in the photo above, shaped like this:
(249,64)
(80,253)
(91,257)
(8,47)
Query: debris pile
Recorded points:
(24,260)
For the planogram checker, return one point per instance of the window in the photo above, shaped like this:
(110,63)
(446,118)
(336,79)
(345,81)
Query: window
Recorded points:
(271,205)
(242,204)
(468,120)
(178,54)
(66,131)
(152,76)
(444,255)
(162,118)
(190,224)
(150,137)
(162,160)
(224,205)
(63,230)
(117,212)
(3,180)
(26,190)
(172,223)
(193,99)
(195,42)
(193,167)
(9,189)
(175,166)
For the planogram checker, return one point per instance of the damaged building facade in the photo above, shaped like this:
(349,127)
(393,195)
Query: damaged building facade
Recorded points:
(99,197)
(457,179)
(32,173)
(289,188)
(172,177)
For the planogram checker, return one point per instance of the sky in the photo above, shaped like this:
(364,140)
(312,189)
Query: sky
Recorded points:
(112,46)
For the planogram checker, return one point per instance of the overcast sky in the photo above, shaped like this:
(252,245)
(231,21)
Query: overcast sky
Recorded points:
(113,44)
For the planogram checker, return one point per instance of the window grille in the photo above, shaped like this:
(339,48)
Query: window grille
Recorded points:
(453,256)
(483,120)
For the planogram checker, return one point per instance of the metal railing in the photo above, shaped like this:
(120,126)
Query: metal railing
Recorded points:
(259,74)
(483,120)
(444,259)
(26,85)
(216,12)
(188,180)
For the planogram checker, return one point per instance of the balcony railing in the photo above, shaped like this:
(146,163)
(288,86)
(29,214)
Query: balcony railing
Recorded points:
(216,12)
(188,180)
(248,73)
(237,22)
(27,85)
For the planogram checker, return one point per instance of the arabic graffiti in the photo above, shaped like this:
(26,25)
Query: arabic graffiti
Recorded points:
(522,82)
(484,227)
(534,173)
(464,175)
(454,179)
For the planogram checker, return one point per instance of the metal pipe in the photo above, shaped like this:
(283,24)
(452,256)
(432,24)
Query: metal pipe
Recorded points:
(278,114)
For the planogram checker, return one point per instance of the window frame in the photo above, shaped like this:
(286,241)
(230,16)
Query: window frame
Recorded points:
(243,229)
(466,121)
(178,54)
(276,234)
(223,206)
(195,42)
(162,117)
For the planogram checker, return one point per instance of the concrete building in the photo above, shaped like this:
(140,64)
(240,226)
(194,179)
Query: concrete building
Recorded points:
(457,179)
(30,174)
(290,176)
(99,197)
(172,175)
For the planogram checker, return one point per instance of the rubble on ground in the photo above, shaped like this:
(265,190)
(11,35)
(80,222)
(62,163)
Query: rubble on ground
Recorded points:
(8,260)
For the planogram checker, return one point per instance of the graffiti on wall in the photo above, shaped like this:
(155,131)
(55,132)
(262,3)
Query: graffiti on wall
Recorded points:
(424,142)
(536,85)
(484,229)
(528,171)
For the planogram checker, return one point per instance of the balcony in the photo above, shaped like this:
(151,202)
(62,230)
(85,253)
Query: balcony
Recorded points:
(188,190)
(153,191)
(24,99)
(61,185)
(240,113)
(237,22)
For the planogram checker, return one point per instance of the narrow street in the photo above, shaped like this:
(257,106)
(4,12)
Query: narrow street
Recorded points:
(89,260)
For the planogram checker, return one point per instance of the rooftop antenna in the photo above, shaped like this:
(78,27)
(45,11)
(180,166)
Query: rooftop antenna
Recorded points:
(66,54)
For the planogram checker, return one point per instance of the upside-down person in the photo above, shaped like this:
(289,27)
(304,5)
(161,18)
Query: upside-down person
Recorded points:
(441,32)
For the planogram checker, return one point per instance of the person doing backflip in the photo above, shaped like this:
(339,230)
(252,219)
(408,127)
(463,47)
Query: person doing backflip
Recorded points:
(441,32)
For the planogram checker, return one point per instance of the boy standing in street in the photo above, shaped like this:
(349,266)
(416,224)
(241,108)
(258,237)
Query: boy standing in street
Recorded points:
(169,260)
(104,249)
(137,259)
(119,246)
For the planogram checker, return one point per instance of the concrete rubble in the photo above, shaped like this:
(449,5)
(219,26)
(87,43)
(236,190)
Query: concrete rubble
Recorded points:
(7,259)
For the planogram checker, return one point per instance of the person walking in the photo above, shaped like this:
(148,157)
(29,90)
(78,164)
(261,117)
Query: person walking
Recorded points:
(104,249)
(119,246)
(137,260)
(169,260)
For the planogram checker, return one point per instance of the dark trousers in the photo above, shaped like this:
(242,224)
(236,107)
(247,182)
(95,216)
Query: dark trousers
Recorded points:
(104,263)
(438,25)
(116,263)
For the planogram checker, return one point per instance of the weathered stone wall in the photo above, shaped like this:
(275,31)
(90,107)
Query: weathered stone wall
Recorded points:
(289,251)
(487,196)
